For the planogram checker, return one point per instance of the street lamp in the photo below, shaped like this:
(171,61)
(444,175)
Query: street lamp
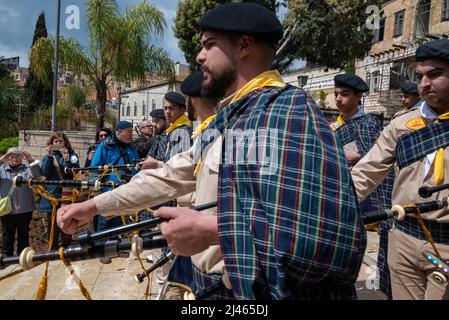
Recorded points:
(56,69)
(119,91)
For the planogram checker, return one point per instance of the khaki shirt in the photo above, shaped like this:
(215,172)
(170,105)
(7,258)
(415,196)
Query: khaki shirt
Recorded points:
(374,167)
(173,179)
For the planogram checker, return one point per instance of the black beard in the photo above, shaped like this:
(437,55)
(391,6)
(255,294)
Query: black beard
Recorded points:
(219,84)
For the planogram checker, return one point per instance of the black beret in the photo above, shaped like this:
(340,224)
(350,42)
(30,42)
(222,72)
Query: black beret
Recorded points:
(192,85)
(409,88)
(438,49)
(354,82)
(243,18)
(176,97)
(158,113)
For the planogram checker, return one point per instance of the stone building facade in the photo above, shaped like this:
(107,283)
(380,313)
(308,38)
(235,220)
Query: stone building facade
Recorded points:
(404,25)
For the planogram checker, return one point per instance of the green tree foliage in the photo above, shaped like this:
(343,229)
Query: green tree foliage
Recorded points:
(187,22)
(9,92)
(119,48)
(326,32)
(39,93)
(7,143)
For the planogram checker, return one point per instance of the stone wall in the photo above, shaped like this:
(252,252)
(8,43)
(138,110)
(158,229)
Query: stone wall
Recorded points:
(35,142)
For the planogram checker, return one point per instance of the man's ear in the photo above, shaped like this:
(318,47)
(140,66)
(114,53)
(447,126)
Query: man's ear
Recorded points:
(246,46)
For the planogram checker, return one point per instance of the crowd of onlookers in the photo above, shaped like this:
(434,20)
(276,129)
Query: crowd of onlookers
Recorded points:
(110,148)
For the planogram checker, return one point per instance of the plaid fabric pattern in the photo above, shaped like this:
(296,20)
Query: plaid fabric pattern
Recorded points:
(411,226)
(365,131)
(210,286)
(158,149)
(296,233)
(180,140)
(415,145)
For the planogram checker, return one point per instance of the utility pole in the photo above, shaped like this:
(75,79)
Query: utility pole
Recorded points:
(56,69)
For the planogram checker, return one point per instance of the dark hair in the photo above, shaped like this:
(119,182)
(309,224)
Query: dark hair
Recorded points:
(97,135)
(58,135)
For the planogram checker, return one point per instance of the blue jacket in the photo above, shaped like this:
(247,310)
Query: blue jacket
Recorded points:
(51,174)
(108,153)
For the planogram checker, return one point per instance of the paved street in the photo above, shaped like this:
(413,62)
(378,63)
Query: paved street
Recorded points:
(116,281)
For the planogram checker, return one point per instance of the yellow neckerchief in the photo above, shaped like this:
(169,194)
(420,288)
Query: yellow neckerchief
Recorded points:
(340,120)
(439,158)
(199,130)
(270,78)
(181,121)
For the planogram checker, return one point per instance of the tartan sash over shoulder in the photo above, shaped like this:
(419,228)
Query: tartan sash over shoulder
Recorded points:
(415,145)
(363,130)
(289,228)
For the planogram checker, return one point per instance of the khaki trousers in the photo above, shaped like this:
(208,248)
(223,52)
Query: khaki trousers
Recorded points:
(410,271)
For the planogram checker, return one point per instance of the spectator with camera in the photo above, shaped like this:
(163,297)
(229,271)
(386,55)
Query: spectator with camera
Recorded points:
(99,137)
(60,156)
(18,220)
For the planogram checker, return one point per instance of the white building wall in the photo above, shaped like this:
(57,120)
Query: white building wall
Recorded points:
(143,102)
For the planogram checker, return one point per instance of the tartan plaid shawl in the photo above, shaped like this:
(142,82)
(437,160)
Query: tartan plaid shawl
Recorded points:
(363,130)
(415,145)
(180,141)
(290,228)
(158,149)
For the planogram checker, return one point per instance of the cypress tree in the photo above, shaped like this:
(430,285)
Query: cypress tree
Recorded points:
(39,94)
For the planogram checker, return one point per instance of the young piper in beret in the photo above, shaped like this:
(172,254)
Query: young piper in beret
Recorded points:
(358,132)
(284,209)
(417,141)
(410,96)
(180,130)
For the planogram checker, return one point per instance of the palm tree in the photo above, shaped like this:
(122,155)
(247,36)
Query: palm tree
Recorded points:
(119,48)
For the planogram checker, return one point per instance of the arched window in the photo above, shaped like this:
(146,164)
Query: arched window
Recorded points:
(144,107)
(128,110)
(153,103)
(135,108)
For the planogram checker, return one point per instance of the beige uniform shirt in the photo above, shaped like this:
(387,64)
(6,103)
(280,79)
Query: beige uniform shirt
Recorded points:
(374,167)
(173,179)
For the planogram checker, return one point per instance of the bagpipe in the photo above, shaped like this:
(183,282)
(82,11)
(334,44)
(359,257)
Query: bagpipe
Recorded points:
(82,185)
(442,273)
(427,192)
(95,244)
(136,166)
(398,212)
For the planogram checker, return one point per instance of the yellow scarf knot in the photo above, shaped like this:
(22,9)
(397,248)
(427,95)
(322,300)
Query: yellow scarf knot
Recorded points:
(181,121)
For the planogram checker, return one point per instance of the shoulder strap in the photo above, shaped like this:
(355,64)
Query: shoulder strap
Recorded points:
(58,168)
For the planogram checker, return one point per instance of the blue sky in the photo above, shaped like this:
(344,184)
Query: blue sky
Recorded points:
(18,19)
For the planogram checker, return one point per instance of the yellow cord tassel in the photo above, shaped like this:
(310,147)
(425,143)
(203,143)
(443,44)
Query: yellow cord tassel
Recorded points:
(42,291)
(78,281)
